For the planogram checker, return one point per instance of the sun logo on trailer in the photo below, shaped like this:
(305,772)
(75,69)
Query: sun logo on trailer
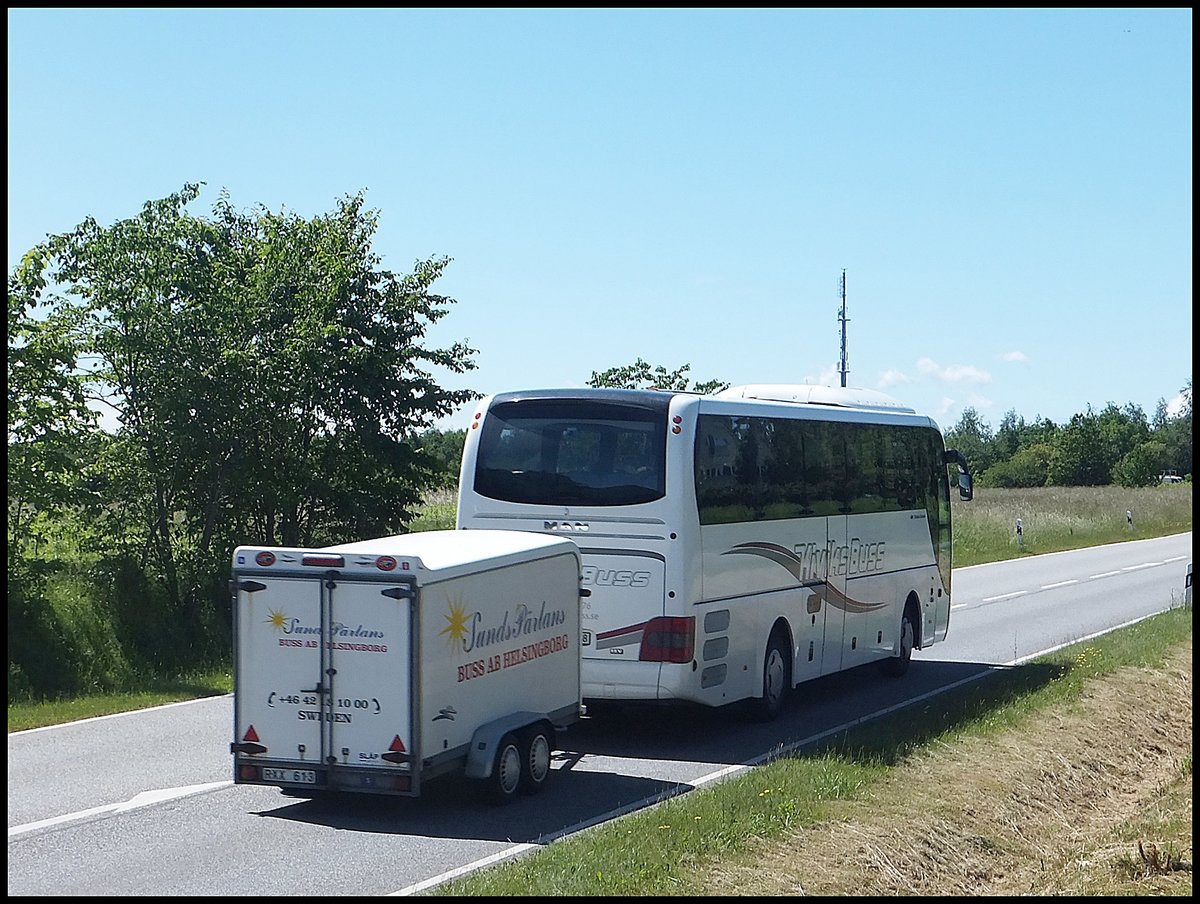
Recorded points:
(277,619)
(456,619)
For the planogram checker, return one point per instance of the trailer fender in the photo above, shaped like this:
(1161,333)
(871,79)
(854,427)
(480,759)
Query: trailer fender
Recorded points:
(482,754)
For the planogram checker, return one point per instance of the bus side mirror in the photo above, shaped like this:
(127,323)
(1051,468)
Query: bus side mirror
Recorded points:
(966,487)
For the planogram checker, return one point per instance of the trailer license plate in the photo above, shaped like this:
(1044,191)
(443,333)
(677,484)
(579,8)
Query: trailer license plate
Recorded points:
(292,776)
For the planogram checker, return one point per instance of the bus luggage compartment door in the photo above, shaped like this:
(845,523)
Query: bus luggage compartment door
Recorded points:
(626,589)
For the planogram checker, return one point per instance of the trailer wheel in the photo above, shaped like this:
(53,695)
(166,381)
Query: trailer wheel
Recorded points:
(535,757)
(505,780)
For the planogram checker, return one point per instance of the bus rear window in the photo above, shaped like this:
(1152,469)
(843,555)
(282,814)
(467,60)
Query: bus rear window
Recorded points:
(572,453)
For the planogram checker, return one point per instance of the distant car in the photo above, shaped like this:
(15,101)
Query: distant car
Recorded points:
(1187,587)
(1170,477)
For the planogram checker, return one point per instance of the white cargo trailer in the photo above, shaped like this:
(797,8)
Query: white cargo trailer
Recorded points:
(375,666)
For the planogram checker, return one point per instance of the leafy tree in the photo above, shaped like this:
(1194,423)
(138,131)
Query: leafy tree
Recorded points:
(1123,430)
(1027,468)
(1080,455)
(1175,433)
(1015,433)
(641,375)
(1142,466)
(265,373)
(1007,440)
(49,422)
(972,437)
(445,448)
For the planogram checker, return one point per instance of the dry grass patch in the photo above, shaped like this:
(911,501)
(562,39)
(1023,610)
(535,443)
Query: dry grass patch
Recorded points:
(1094,799)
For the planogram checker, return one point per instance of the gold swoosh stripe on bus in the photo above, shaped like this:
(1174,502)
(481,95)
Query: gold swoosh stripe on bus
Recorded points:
(780,555)
(783,556)
(839,600)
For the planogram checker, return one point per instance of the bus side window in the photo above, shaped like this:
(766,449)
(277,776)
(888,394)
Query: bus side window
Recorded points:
(722,493)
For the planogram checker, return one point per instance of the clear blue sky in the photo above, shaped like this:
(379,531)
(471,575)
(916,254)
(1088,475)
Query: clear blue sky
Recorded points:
(1009,192)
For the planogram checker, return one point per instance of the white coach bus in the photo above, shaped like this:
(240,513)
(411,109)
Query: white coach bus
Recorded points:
(734,545)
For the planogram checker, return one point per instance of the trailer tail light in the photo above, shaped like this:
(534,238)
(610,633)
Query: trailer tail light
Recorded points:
(668,640)
(323,560)
(676,422)
(265,558)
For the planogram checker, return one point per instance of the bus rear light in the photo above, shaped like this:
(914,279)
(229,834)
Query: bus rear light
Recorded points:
(323,561)
(668,640)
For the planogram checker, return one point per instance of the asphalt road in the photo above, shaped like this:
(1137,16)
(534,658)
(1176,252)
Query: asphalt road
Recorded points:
(143,803)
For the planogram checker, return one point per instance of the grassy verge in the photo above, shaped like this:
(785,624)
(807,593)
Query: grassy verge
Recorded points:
(717,840)
(24,715)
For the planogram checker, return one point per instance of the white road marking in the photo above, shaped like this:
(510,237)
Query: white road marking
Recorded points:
(1059,584)
(145,799)
(1004,596)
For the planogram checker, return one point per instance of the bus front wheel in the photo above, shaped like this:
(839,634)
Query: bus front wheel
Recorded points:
(898,664)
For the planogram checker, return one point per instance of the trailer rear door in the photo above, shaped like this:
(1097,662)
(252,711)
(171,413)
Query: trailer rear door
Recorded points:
(323,680)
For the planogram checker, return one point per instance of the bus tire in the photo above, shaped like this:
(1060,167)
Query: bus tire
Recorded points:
(777,670)
(536,745)
(897,665)
(502,786)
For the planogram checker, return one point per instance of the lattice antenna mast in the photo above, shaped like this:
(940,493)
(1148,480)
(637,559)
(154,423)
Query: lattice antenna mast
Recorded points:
(843,366)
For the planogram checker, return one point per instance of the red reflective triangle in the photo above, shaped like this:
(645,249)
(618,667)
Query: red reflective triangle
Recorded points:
(251,734)
(397,745)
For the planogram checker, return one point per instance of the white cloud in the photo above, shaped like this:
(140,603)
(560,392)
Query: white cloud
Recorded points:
(891,378)
(980,403)
(1176,405)
(830,376)
(1014,356)
(955,373)
(965,373)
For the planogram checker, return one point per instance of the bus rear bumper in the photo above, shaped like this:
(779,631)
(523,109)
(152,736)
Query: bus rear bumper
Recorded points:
(623,681)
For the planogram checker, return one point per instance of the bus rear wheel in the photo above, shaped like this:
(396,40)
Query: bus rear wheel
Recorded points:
(777,670)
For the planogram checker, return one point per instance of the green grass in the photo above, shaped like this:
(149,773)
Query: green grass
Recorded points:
(655,851)
(1055,519)
(439,512)
(24,715)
